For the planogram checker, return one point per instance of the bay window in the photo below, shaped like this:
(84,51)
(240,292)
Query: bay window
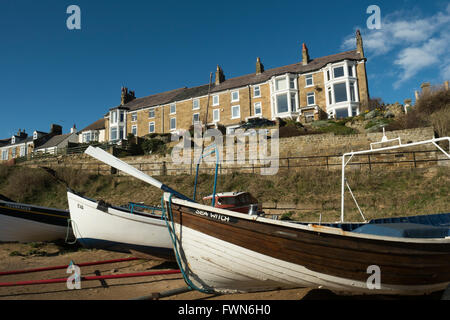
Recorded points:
(340,92)
(284,95)
(342,89)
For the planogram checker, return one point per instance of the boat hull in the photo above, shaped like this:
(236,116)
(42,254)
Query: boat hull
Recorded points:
(27,223)
(118,230)
(230,252)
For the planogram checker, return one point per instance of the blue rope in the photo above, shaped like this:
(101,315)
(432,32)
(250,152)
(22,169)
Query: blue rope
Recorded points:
(175,246)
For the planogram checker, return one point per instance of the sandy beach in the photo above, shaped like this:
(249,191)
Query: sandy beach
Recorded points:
(19,256)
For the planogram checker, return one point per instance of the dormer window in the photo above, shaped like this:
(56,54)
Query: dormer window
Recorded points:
(35,135)
(13,140)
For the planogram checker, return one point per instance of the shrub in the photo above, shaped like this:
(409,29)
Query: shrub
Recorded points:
(152,146)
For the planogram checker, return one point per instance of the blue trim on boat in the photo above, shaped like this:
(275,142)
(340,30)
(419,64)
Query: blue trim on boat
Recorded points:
(421,226)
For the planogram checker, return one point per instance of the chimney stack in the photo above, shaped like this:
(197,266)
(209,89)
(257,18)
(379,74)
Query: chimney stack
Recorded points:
(416,95)
(73,129)
(359,43)
(56,129)
(259,66)
(425,87)
(220,77)
(126,96)
(446,85)
(305,55)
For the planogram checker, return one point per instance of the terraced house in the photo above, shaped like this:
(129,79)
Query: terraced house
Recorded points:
(21,145)
(333,86)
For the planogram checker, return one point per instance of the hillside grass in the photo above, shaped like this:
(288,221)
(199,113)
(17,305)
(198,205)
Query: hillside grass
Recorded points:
(379,193)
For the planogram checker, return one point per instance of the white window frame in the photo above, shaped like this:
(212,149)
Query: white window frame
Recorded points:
(170,124)
(344,73)
(111,133)
(308,95)
(232,93)
(23,151)
(153,111)
(259,104)
(114,116)
(134,127)
(193,116)
(234,107)
(174,106)
(352,91)
(257,88)
(309,76)
(5,154)
(216,112)
(194,102)
(288,91)
(215,103)
(133,116)
(154,127)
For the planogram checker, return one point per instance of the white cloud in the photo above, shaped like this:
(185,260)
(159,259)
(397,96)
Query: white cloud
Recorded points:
(415,43)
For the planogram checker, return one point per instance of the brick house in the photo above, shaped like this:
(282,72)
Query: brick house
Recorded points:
(333,86)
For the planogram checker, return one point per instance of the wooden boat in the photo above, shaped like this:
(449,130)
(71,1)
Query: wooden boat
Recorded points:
(103,226)
(28,223)
(224,251)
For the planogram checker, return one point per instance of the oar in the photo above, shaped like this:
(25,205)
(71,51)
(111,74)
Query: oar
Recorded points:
(109,159)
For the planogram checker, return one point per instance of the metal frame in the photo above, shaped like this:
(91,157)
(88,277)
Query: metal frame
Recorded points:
(373,150)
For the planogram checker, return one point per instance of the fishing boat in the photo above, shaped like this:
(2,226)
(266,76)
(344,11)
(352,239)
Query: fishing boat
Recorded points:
(28,223)
(226,252)
(100,225)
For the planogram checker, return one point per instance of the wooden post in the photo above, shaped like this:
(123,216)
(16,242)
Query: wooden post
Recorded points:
(414,158)
(370,165)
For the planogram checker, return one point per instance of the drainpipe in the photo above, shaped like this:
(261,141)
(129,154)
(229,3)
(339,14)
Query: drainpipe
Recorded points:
(250,99)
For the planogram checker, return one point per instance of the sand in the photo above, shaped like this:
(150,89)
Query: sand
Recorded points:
(18,256)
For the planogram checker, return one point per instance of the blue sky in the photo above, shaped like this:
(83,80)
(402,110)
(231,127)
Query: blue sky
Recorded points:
(50,74)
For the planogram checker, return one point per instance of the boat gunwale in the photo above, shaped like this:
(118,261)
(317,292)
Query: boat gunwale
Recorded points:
(122,212)
(309,227)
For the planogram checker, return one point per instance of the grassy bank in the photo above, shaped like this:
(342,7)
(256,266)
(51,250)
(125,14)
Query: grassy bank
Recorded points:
(404,192)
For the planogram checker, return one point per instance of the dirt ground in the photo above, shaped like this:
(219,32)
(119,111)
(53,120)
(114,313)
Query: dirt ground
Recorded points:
(18,256)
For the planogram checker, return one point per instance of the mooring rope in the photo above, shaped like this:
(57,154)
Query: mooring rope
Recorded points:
(67,232)
(173,237)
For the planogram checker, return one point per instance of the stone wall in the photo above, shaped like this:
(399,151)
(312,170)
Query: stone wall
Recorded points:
(296,153)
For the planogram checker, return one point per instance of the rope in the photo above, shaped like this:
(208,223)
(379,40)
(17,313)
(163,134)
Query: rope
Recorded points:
(67,232)
(173,237)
